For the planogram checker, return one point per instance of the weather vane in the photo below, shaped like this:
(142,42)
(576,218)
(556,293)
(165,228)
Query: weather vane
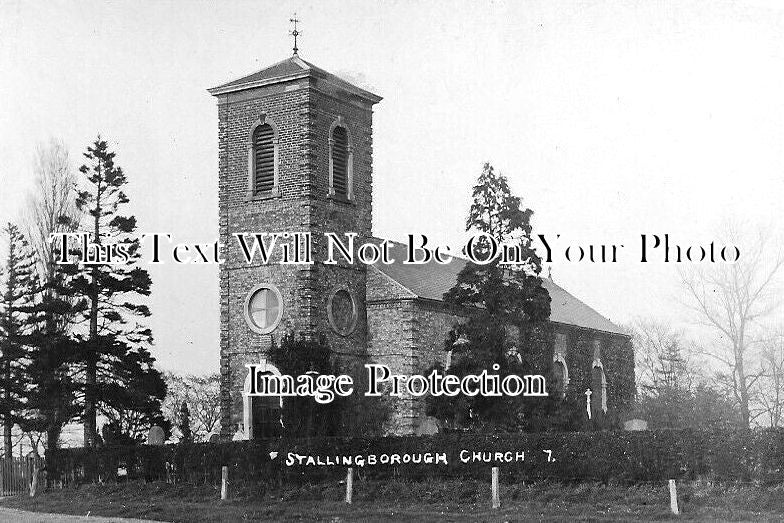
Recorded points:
(295,33)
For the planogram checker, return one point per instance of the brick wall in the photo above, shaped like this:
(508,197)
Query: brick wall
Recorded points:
(408,336)
(303,112)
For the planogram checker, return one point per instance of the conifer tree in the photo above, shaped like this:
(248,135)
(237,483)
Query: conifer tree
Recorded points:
(18,318)
(186,435)
(502,296)
(116,367)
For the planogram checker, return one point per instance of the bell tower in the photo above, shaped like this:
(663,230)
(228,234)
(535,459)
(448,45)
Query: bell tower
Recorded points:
(295,156)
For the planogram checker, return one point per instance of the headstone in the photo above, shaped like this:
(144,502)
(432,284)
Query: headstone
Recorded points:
(588,402)
(240,435)
(156,436)
(215,438)
(427,427)
(635,424)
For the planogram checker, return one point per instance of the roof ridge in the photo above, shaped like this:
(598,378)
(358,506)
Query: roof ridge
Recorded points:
(247,75)
(291,68)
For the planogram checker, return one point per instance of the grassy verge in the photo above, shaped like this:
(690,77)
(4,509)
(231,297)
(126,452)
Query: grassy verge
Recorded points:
(414,501)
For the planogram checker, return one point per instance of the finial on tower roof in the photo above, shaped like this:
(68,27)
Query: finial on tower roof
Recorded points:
(294,32)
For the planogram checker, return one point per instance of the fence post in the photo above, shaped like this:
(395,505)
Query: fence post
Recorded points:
(349,484)
(494,485)
(673,498)
(34,481)
(224,483)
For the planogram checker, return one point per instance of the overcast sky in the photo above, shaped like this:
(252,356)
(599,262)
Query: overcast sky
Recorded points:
(609,120)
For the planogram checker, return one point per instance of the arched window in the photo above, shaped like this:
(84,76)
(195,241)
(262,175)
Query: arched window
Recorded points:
(340,162)
(560,375)
(265,417)
(262,414)
(598,389)
(263,159)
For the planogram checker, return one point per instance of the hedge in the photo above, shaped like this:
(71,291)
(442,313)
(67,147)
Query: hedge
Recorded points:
(621,456)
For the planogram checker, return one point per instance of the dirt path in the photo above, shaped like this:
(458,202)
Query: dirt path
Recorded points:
(11,515)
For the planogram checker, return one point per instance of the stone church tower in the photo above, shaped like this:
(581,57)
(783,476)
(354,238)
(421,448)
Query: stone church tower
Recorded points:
(295,155)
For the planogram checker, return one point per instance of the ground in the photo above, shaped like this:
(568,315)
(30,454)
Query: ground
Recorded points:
(416,501)
(12,515)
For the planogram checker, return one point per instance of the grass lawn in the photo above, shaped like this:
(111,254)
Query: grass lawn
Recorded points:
(415,501)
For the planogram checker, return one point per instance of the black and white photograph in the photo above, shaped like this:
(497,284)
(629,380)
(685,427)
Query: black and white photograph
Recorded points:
(391,261)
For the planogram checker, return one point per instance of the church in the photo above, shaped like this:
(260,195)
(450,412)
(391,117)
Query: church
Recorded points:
(296,154)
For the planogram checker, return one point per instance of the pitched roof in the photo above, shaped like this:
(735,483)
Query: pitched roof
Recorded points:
(291,68)
(431,280)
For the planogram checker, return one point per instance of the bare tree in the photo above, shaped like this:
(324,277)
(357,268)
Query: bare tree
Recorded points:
(733,300)
(206,408)
(201,394)
(771,389)
(664,359)
(52,203)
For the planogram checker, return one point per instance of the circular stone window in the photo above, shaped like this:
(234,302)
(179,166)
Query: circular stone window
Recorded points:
(342,311)
(263,308)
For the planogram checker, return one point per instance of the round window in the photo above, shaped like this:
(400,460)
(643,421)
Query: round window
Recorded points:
(263,308)
(342,312)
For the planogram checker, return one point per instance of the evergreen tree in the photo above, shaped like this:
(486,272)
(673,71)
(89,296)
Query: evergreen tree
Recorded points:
(500,296)
(18,318)
(512,292)
(52,396)
(53,354)
(114,356)
(303,416)
(354,415)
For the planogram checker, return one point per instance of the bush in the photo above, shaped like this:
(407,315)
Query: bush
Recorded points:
(629,457)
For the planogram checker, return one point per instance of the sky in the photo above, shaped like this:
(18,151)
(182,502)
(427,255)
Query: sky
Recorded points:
(610,120)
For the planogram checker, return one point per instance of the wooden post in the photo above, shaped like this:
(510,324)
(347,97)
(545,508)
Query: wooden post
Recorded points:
(494,488)
(349,484)
(224,483)
(673,498)
(34,482)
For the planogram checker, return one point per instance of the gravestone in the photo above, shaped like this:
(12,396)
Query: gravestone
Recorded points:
(427,427)
(156,436)
(635,424)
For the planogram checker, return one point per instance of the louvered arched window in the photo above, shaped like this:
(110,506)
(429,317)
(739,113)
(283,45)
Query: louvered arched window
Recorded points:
(263,159)
(340,163)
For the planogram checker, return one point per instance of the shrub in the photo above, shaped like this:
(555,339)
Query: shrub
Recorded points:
(618,456)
